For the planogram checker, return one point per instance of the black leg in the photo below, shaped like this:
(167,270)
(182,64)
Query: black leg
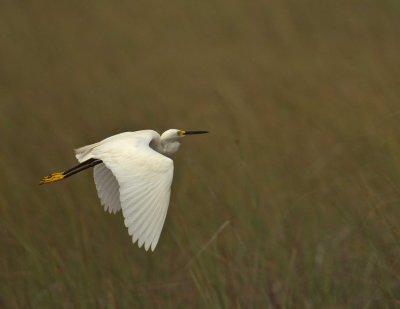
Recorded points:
(72,171)
(81,167)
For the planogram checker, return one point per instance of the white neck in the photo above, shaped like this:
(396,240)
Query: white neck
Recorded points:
(166,146)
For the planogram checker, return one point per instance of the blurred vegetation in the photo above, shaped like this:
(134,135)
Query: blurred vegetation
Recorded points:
(302,99)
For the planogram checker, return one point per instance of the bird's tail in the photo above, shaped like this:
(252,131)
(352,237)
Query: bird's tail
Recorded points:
(72,171)
(84,153)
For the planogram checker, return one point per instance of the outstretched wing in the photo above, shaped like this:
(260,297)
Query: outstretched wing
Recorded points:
(107,188)
(144,177)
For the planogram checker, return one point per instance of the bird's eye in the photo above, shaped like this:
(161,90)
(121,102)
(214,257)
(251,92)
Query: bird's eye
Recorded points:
(181,133)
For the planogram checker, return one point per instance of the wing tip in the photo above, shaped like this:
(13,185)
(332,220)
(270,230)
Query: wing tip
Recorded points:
(84,153)
(147,245)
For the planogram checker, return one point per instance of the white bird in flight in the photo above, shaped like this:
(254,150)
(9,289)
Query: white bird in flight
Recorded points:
(132,173)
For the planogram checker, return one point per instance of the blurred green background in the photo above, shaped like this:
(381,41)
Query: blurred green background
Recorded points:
(292,200)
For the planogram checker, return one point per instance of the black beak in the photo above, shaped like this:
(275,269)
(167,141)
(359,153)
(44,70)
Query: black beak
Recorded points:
(194,132)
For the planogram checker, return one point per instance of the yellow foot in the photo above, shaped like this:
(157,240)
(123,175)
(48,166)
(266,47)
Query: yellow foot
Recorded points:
(51,178)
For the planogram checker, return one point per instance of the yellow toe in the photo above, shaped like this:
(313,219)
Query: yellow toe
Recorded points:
(51,178)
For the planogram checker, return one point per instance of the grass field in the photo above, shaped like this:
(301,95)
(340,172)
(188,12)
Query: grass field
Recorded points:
(292,200)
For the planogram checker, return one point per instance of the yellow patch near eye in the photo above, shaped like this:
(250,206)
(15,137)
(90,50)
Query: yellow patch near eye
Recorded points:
(181,133)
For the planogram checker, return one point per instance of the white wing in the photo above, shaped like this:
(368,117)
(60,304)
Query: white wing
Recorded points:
(144,177)
(107,188)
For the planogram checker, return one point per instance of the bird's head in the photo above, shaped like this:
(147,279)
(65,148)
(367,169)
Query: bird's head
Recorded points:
(170,139)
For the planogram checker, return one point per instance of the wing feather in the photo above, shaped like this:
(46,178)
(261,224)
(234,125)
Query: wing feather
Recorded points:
(106,186)
(138,223)
(160,223)
(145,224)
(151,226)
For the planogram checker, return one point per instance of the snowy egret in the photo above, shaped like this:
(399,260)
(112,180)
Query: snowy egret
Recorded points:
(132,173)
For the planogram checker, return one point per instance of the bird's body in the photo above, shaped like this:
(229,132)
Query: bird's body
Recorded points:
(132,173)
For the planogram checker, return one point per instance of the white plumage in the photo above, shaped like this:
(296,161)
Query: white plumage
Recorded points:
(135,176)
(107,188)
